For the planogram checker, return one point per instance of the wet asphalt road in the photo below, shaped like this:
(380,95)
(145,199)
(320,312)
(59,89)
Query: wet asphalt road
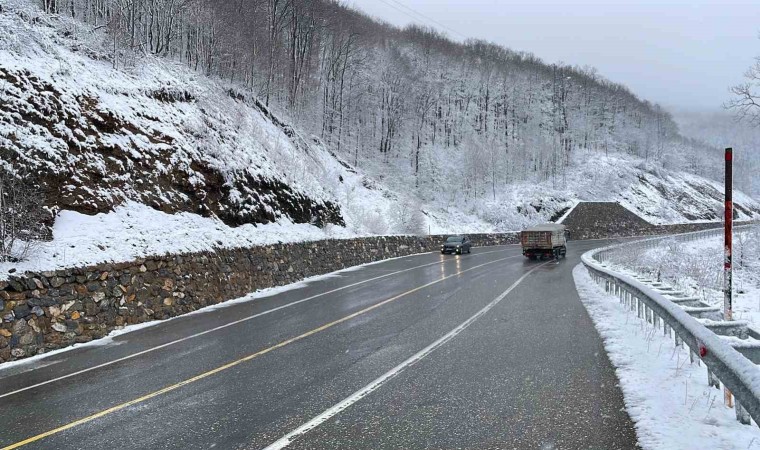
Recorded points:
(530,373)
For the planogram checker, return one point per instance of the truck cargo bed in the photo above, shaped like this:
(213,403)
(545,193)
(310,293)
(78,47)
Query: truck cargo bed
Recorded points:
(544,240)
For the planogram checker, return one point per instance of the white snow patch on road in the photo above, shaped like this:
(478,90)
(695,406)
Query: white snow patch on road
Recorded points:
(667,397)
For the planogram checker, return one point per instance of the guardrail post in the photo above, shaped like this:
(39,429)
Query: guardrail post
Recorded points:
(742,415)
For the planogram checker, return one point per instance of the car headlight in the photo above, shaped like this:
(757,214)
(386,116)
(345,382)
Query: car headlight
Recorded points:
(459,246)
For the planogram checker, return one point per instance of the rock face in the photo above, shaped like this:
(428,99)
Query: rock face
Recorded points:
(81,304)
(89,146)
(598,220)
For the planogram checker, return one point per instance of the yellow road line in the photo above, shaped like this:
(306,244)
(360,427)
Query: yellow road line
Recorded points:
(226,325)
(236,362)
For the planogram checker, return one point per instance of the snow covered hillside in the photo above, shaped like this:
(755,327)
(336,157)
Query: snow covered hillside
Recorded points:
(721,129)
(93,136)
(159,134)
(156,157)
(658,195)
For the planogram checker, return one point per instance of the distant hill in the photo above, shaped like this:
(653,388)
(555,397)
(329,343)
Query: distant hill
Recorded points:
(156,157)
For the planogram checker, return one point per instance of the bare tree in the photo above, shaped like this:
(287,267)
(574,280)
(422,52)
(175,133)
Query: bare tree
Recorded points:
(406,217)
(746,101)
(425,101)
(21,217)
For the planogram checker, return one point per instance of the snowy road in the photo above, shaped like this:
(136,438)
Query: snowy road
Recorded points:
(486,350)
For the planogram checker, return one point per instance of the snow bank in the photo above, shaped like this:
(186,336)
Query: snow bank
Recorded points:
(135,231)
(666,396)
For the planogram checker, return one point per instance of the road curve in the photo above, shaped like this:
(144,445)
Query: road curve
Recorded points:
(486,350)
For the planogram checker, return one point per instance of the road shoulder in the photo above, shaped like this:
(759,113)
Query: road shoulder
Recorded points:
(666,396)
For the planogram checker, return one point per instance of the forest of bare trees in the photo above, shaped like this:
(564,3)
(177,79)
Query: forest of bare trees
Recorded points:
(379,95)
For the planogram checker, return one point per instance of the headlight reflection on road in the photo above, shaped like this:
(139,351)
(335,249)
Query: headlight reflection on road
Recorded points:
(459,264)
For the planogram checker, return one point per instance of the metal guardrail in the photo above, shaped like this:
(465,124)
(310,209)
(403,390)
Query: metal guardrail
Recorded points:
(649,243)
(731,361)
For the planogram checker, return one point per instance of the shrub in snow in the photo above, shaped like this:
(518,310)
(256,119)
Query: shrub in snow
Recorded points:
(374,222)
(697,268)
(406,217)
(21,217)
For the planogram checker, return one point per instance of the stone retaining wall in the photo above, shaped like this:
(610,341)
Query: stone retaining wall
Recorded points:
(600,220)
(50,310)
(593,220)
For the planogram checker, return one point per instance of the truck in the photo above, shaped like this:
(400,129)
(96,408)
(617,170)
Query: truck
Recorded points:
(546,240)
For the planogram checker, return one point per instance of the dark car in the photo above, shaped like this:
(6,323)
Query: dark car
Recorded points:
(456,244)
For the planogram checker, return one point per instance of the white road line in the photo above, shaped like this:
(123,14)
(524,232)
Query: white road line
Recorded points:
(373,386)
(227,325)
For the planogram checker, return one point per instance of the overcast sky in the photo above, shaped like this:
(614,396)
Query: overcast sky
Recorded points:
(681,54)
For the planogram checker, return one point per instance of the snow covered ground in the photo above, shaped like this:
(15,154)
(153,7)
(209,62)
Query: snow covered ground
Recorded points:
(667,397)
(134,230)
(697,268)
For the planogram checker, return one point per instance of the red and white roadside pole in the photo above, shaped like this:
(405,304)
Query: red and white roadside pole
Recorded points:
(728,247)
(728,241)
